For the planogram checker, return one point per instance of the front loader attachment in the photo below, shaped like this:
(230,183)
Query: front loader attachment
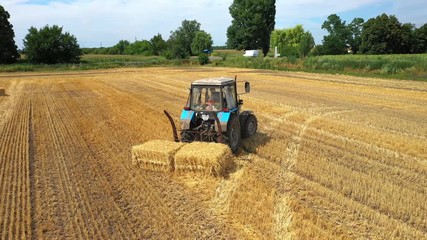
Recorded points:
(175,134)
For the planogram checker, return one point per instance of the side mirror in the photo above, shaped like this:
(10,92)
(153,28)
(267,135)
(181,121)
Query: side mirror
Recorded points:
(247,87)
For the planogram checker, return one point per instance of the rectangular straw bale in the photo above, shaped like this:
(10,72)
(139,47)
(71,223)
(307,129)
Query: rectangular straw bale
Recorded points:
(156,155)
(208,158)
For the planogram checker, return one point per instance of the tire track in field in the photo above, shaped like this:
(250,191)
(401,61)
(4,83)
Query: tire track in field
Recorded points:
(31,170)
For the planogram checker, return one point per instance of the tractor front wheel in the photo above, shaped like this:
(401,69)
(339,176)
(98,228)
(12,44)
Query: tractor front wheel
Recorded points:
(233,133)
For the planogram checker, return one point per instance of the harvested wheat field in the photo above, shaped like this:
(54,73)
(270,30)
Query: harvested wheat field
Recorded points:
(335,157)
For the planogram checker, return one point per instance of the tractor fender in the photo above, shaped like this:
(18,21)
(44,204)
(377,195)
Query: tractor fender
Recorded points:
(185,119)
(223,117)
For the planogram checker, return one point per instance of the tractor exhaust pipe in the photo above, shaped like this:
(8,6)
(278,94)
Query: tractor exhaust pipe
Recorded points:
(175,134)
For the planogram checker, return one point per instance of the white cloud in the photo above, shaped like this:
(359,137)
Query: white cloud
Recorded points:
(317,8)
(107,21)
(413,11)
(99,21)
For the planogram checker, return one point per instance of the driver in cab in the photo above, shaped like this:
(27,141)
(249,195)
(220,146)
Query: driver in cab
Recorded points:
(214,100)
(210,105)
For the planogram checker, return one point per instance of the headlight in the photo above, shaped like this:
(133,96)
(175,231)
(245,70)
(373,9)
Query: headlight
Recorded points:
(205,117)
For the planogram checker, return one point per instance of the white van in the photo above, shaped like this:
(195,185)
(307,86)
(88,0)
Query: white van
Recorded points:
(251,53)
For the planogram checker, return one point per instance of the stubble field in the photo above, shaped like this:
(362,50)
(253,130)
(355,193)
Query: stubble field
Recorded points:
(334,157)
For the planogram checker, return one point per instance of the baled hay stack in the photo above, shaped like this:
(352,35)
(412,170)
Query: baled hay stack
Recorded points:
(156,155)
(203,157)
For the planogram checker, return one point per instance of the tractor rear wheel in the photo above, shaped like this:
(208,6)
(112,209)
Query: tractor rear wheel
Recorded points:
(250,126)
(233,133)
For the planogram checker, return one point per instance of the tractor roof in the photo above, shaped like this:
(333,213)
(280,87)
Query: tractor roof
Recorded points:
(221,81)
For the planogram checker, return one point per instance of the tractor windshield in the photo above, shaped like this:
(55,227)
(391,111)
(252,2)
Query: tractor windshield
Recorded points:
(206,98)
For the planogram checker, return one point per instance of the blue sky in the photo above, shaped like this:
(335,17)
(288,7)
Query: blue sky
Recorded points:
(105,22)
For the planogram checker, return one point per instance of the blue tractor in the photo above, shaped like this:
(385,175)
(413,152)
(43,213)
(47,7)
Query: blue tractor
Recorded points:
(213,114)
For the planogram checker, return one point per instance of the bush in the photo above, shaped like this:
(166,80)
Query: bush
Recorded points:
(49,45)
(203,58)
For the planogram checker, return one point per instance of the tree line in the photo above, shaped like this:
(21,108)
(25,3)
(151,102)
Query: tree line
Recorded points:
(252,27)
(188,39)
(383,34)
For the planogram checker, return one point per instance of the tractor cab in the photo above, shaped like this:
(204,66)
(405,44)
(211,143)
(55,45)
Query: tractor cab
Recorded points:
(214,94)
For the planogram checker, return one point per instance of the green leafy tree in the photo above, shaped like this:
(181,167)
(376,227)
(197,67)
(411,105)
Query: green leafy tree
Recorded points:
(317,50)
(278,38)
(253,21)
(355,34)
(420,39)
(333,45)
(202,41)
(120,47)
(336,42)
(175,49)
(179,43)
(407,37)
(159,45)
(306,44)
(289,41)
(49,45)
(8,49)
(384,35)
(292,41)
(294,35)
